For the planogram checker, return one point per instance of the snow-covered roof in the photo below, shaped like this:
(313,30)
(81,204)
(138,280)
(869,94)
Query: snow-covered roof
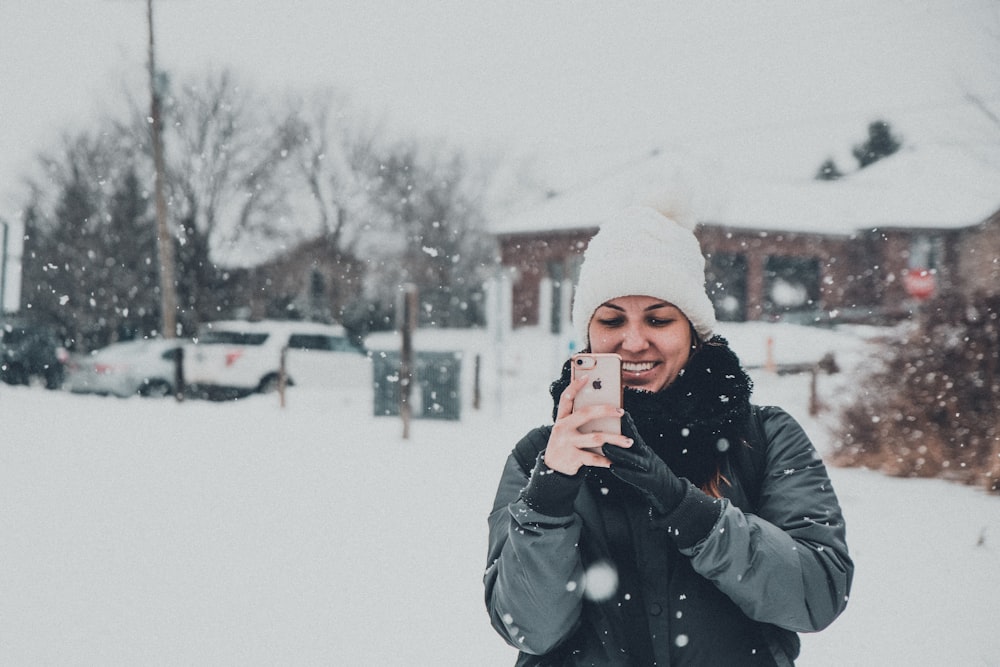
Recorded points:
(926,187)
(592,201)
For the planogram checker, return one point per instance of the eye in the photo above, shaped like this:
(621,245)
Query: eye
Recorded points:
(610,321)
(660,322)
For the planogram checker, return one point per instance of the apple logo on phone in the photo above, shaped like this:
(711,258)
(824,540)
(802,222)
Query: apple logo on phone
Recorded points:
(597,384)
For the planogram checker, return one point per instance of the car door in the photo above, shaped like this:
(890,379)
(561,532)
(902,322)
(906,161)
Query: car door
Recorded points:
(326,361)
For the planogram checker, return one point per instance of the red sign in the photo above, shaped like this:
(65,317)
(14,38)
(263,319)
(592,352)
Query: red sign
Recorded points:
(919,283)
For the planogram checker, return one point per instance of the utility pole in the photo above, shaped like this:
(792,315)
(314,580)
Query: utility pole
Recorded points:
(165,242)
(3,270)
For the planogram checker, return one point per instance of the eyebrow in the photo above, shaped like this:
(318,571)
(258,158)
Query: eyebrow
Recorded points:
(655,306)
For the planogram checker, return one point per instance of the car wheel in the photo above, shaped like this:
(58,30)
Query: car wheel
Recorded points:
(53,379)
(155,389)
(15,374)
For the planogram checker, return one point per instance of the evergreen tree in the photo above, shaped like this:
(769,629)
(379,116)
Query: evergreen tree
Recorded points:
(89,253)
(130,275)
(881,143)
(828,171)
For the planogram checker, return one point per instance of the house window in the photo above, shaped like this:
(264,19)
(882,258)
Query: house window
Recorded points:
(791,285)
(923,252)
(726,284)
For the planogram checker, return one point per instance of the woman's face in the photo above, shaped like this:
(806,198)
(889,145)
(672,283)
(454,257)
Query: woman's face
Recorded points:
(652,336)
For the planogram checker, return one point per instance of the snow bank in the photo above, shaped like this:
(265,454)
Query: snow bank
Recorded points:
(146,531)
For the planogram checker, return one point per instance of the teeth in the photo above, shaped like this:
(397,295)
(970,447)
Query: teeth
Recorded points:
(636,367)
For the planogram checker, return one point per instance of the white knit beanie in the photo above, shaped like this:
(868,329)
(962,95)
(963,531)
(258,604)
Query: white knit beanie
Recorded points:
(642,252)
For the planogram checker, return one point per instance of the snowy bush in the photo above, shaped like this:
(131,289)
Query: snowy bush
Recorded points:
(931,406)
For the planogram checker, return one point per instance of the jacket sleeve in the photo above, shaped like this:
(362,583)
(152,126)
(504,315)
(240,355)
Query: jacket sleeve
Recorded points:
(787,564)
(534,575)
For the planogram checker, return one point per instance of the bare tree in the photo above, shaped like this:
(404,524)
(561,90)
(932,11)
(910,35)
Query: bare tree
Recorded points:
(432,203)
(320,276)
(228,177)
(273,210)
(333,158)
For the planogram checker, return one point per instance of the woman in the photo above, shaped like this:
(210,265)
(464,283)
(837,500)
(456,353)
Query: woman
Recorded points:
(706,533)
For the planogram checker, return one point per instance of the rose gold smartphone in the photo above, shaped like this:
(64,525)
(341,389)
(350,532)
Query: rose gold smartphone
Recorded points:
(604,387)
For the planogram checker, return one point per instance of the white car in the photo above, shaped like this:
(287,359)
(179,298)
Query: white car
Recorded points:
(144,367)
(239,357)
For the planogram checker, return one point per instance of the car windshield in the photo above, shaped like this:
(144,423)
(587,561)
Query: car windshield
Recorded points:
(232,338)
(320,342)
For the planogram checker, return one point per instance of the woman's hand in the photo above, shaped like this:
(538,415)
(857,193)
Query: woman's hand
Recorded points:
(640,467)
(569,449)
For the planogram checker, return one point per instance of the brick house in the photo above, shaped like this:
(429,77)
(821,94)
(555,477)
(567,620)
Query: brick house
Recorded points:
(810,252)
(313,280)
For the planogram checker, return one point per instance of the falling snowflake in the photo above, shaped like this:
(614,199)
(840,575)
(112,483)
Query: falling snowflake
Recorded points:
(601,581)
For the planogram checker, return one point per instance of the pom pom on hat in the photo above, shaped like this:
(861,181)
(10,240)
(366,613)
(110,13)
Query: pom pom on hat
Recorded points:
(642,251)
(675,207)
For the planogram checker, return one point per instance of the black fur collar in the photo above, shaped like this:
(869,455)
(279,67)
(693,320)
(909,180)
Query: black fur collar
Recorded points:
(692,422)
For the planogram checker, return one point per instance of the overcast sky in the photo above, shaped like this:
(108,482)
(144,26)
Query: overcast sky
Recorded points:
(559,76)
(769,87)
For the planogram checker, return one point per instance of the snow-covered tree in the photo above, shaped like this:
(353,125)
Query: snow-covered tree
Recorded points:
(828,171)
(228,178)
(297,210)
(881,142)
(431,205)
(931,406)
(89,258)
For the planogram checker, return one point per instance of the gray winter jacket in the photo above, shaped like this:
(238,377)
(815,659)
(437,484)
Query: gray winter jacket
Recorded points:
(763,573)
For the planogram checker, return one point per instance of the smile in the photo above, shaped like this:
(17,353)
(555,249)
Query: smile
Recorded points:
(637,366)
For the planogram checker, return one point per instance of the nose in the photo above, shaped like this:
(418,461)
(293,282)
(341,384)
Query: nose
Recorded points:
(633,340)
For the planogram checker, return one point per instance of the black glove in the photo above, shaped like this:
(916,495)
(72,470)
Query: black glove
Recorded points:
(549,491)
(685,511)
(640,467)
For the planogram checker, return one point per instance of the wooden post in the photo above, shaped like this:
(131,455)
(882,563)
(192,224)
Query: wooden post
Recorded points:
(282,375)
(406,364)
(828,365)
(476,393)
(813,396)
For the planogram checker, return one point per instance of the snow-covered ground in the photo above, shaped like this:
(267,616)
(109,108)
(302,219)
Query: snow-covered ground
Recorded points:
(150,532)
